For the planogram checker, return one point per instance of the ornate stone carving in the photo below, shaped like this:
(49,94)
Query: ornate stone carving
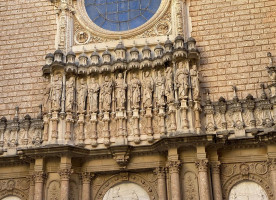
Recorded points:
(147,90)
(82,94)
(190,186)
(65,174)
(56,92)
(160,89)
(181,79)
(39,176)
(195,82)
(202,165)
(135,92)
(173,166)
(169,88)
(120,92)
(93,92)
(105,94)
(53,192)
(70,94)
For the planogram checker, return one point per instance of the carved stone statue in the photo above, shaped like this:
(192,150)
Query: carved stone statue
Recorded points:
(147,90)
(120,92)
(70,90)
(134,91)
(160,89)
(82,94)
(169,91)
(105,94)
(182,81)
(56,92)
(46,98)
(93,91)
(195,82)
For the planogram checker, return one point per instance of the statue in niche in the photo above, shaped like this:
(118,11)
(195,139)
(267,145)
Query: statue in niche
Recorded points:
(134,91)
(120,92)
(56,92)
(46,98)
(105,94)
(195,82)
(182,81)
(70,90)
(160,89)
(169,91)
(93,91)
(147,90)
(82,94)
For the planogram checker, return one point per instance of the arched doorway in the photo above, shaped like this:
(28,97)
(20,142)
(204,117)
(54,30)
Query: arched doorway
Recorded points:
(247,190)
(11,198)
(126,191)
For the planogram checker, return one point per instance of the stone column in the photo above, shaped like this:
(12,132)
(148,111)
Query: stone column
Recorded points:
(216,180)
(32,187)
(173,167)
(39,177)
(272,173)
(161,181)
(203,181)
(64,183)
(86,185)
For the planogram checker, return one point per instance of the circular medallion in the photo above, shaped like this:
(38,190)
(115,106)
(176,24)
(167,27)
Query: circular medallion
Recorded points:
(121,15)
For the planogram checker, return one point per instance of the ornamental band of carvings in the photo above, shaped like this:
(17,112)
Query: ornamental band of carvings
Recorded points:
(137,97)
(15,187)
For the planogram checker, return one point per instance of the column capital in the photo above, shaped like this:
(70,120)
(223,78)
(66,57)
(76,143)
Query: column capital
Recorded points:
(215,166)
(271,162)
(65,174)
(32,179)
(202,165)
(86,177)
(39,176)
(173,166)
(160,172)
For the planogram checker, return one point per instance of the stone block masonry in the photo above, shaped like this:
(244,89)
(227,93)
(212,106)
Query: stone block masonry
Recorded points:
(27,33)
(234,38)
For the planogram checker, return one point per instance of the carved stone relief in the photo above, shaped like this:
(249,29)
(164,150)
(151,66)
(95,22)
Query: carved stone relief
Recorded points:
(15,187)
(190,186)
(53,192)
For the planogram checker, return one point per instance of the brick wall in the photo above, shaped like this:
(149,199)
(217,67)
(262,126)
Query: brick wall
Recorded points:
(27,34)
(234,37)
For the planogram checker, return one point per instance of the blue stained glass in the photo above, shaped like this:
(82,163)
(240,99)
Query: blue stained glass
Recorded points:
(121,15)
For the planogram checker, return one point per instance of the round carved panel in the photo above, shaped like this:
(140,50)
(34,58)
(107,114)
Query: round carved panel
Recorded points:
(247,190)
(126,191)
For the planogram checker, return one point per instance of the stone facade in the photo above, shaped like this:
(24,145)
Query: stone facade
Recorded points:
(182,107)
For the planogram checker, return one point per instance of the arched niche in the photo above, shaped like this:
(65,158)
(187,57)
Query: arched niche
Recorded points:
(126,190)
(245,190)
(11,198)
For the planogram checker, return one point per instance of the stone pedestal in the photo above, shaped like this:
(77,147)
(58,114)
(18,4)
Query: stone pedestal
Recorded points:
(64,183)
(86,185)
(216,181)
(39,177)
(162,189)
(203,180)
(173,167)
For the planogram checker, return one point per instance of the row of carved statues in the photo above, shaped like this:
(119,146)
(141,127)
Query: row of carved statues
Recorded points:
(124,90)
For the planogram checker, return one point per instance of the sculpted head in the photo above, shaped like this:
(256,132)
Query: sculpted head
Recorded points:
(106,78)
(146,73)
(120,75)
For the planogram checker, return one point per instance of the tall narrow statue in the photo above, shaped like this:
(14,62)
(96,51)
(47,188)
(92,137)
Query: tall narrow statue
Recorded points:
(82,94)
(70,91)
(182,81)
(147,90)
(120,92)
(169,91)
(93,92)
(47,98)
(195,82)
(105,94)
(135,92)
(160,89)
(56,92)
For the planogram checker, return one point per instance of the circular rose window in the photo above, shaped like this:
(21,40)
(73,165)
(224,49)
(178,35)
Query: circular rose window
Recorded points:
(121,15)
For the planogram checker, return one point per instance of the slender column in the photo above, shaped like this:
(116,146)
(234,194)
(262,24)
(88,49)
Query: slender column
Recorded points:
(161,183)
(215,166)
(175,182)
(32,187)
(86,185)
(39,177)
(204,189)
(272,172)
(64,183)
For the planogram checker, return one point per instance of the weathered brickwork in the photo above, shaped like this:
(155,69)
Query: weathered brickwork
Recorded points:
(234,38)
(27,34)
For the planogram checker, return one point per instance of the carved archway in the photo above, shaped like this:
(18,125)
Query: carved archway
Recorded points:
(14,192)
(11,198)
(128,178)
(251,177)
